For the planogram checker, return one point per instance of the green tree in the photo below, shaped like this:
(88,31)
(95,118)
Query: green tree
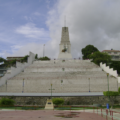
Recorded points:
(98,57)
(24,59)
(119,90)
(115,65)
(88,50)
(36,56)
(2,60)
(7,101)
(13,62)
(44,58)
(57,101)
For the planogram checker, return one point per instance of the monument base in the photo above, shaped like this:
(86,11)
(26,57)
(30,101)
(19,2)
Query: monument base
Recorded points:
(65,56)
(49,104)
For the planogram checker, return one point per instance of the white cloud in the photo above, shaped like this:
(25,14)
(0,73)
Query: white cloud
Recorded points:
(15,47)
(36,49)
(37,14)
(93,22)
(31,31)
(25,17)
(2,54)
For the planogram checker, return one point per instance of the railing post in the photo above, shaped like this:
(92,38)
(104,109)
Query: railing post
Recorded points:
(101,111)
(106,114)
(97,110)
(112,115)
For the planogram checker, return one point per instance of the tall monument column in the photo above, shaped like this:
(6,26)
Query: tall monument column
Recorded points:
(65,46)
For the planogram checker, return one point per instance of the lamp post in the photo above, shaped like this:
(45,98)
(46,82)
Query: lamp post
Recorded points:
(43,50)
(23,85)
(51,90)
(89,84)
(108,87)
(61,84)
(6,86)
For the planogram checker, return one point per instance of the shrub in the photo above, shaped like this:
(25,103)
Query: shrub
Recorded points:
(44,58)
(7,101)
(36,56)
(119,90)
(68,103)
(111,93)
(57,101)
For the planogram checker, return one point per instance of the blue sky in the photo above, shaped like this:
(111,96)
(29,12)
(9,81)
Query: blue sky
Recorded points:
(26,25)
(19,15)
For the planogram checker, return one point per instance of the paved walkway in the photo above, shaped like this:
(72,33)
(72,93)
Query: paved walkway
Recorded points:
(48,115)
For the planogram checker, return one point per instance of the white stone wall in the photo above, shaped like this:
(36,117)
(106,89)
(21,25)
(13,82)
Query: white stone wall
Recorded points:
(109,70)
(19,68)
(77,77)
(118,79)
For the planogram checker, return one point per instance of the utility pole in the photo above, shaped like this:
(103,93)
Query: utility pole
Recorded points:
(65,21)
(23,86)
(43,50)
(51,90)
(108,86)
(89,84)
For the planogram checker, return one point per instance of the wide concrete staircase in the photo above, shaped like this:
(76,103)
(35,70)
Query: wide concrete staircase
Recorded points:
(67,76)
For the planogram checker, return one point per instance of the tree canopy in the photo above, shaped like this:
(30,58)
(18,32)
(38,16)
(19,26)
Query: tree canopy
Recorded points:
(115,65)
(98,57)
(89,49)
(111,93)
(36,56)
(2,59)
(44,58)
(57,101)
(24,59)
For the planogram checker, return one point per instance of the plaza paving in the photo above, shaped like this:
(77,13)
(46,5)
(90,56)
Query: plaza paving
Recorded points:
(6,114)
(48,115)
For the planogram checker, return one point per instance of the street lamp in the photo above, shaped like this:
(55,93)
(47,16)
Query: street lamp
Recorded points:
(6,86)
(89,84)
(51,90)
(43,50)
(61,84)
(108,87)
(23,85)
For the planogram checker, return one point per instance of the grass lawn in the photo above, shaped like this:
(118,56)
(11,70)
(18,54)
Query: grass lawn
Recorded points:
(22,108)
(56,108)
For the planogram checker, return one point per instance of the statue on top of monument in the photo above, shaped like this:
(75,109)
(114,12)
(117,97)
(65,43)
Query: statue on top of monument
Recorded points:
(65,49)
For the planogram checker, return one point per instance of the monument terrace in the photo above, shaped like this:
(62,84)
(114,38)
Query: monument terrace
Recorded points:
(66,75)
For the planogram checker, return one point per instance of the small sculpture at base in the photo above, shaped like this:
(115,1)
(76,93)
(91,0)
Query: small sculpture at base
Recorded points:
(49,104)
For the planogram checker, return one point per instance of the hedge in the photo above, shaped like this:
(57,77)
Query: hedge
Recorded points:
(57,101)
(7,101)
(111,93)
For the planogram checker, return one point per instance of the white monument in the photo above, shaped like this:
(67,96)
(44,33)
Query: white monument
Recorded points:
(65,46)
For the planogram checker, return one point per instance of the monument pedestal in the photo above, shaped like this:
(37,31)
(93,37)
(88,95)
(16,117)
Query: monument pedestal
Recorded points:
(65,56)
(49,104)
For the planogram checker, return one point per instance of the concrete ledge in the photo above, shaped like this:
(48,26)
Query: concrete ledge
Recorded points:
(54,94)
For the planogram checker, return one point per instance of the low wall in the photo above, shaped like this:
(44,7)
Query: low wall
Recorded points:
(109,70)
(16,70)
(82,100)
(118,79)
